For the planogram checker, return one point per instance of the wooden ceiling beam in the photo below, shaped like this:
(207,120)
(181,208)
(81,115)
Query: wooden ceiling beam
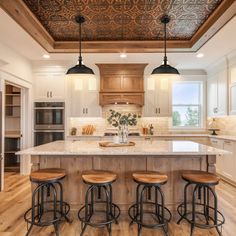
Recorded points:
(18,10)
(119,46)
(225,4)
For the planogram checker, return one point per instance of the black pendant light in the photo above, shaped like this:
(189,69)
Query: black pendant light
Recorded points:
(165,69)
(80,69)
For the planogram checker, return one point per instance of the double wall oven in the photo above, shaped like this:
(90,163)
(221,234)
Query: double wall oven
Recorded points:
(49,124)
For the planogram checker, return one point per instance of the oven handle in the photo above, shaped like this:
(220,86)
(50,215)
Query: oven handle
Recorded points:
(49,108)
(49,131)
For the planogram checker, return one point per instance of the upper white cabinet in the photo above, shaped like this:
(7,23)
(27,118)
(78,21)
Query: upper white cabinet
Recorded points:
(83,98)
(232,90)
(49,86)
(217,94)
(157,98)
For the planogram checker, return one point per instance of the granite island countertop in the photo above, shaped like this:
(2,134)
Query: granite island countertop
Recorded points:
(142,147)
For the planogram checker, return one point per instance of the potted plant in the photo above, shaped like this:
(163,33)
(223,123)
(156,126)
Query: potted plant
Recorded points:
(122,121)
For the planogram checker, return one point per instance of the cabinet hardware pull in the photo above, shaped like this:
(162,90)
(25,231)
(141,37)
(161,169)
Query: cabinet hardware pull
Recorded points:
(51,94)
(47,94)
(86,110)
(228,142)
(159,110)
(156,110)
(83,110)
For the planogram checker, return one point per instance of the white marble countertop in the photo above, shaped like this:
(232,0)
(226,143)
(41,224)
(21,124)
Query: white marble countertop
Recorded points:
(142,147)
(97,135)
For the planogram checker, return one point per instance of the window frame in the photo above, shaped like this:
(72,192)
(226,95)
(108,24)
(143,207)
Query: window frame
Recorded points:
(202,103)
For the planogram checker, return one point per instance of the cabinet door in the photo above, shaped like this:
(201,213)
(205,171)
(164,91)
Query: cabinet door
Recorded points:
(212,95)
(164,103)
(232,102)
(75,97)
(49,87)
(219,158)
(228,167)
(150,104)
(92,104)
(57,86)
(222,96)
(41,89)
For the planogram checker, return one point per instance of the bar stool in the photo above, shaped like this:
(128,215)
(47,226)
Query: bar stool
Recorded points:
(201,213)
(48,207)
(100,184)
(148,180)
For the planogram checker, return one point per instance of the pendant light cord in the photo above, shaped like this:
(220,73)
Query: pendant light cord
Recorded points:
(165,57)
(80,47)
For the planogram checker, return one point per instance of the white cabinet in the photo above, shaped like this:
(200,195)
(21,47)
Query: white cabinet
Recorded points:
(49,86)
(226,164)
(232,90)
(157,98)
(217,143)
(217,94)
(83,98)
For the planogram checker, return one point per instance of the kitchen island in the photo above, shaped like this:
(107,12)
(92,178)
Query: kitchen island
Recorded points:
(170,157)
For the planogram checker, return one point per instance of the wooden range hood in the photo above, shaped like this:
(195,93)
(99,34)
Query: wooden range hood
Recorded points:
(121,84)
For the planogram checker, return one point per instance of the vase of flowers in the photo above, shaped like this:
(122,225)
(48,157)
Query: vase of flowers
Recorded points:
(122,122)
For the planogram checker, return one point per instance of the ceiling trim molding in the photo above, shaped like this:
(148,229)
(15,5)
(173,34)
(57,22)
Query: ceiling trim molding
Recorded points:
(219,11)
(19,11)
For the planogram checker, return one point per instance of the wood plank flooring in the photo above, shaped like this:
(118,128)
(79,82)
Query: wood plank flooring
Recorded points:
(17,198)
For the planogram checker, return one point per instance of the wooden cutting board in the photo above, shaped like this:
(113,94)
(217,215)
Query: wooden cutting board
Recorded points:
(111,144)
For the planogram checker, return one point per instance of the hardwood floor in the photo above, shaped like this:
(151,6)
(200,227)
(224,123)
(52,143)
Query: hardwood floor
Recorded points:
(17,198)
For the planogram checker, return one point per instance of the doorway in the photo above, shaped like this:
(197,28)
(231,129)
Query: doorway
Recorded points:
(12,128)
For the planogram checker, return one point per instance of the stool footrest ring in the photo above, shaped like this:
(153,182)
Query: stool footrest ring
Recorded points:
(114,215)
(134,215)
(210,224)
(37,218)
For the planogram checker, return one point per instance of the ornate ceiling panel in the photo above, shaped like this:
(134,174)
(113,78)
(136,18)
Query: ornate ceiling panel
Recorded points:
(118,20)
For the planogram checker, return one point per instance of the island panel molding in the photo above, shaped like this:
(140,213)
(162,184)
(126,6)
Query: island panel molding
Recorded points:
(111,27)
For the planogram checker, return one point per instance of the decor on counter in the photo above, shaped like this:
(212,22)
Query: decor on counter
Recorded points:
(73,131)
(165,69)
(112,144)
(88,130)
(213,126)
(80,69)
(122,121)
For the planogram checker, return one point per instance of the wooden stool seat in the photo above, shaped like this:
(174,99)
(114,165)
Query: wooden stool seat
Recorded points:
(98,176)
(150,177)
(201,177)
(48,174)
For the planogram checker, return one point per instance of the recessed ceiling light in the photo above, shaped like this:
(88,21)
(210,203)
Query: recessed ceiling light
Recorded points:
(200,55)
(46,56)
(123,55)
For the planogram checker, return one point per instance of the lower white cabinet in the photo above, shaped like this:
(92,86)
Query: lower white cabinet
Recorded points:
(226,164)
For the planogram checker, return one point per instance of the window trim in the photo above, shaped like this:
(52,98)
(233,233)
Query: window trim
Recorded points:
(202,104)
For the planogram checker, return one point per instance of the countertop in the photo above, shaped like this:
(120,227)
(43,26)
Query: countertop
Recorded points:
(226,137)
(142,147)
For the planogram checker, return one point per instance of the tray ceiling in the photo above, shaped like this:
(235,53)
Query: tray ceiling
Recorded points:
(118,21)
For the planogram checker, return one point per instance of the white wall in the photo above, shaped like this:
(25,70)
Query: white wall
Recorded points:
(15,64)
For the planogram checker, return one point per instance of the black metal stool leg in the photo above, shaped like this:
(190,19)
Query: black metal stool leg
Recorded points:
(193,210)
(185,203)
(141,211)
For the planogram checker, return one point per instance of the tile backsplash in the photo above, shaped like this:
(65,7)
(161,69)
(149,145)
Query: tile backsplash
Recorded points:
(227,125)
(162,125)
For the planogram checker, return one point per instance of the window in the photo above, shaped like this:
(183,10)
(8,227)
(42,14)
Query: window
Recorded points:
(187,104)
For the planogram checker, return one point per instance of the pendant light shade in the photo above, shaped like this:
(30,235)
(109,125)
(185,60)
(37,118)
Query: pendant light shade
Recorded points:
(80,69)
(165,70)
